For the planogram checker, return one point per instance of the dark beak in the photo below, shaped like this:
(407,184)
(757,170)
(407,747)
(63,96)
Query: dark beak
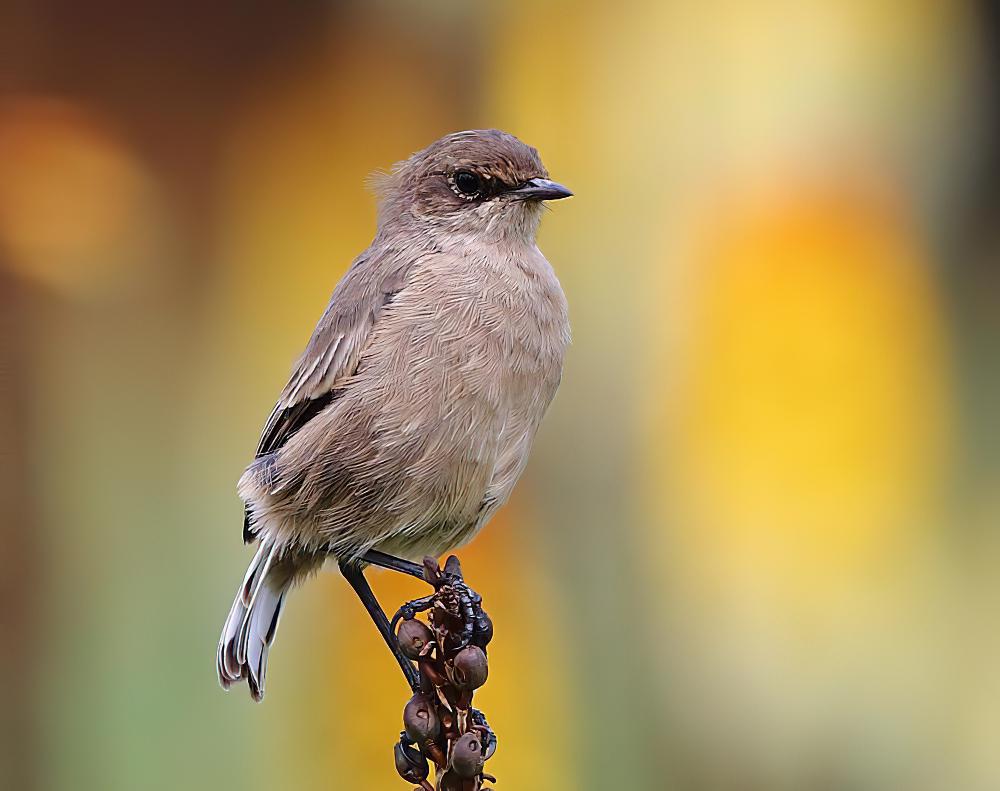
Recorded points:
(540,189)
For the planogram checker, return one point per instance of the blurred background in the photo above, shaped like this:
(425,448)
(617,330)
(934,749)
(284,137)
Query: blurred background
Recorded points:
(758,542)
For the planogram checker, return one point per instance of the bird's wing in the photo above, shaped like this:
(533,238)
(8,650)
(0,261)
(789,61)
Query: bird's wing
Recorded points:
(335,347)
(336,344)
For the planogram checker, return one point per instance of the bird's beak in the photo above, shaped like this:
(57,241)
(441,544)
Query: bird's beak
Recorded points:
(540,189)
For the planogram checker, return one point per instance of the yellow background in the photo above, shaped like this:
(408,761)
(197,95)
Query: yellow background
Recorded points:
(757,546)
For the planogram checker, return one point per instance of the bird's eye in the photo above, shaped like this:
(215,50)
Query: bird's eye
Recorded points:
(467,183)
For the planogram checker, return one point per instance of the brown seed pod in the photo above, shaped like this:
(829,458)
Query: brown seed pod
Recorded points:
(419,719)
(450,781)
(412,637)
(469,668)
(467,756)
(436,754)
(430,673)
(485,627)
(441,727)
(410,763)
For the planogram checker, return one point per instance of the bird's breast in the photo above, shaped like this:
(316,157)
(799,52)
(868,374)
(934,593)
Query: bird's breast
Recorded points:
(471,350)
(512,312)
(427,438)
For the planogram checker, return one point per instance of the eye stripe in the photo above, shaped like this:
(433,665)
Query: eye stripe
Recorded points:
(487,186)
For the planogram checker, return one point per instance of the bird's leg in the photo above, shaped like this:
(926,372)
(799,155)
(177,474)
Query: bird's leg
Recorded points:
(356,577)
(381,559)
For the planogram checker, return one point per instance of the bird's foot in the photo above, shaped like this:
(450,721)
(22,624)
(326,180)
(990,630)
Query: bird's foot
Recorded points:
(488,738)
(409,610)
(457,605)
(452,599)
(454,602)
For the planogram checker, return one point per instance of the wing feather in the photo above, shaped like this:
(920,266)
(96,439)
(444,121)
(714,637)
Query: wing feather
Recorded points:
(337,343)
(336,346)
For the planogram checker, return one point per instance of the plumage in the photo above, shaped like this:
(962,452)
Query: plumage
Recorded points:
(409,417)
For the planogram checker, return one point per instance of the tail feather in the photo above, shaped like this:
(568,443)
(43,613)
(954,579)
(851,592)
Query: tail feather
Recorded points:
(259,637)
(252,622)
(249,593)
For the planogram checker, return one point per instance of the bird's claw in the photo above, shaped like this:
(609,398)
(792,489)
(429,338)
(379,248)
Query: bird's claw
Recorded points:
(460,601)
(487,736)
(410,609)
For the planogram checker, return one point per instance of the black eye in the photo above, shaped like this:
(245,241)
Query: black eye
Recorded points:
(467,182)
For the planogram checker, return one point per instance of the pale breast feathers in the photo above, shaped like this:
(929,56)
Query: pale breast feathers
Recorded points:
(429,370)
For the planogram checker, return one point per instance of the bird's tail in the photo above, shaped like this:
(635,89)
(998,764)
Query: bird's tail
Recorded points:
(249,629)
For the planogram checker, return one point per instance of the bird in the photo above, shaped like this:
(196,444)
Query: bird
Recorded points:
(410,415)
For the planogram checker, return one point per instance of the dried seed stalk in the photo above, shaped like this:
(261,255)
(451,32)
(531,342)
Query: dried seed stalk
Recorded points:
(440,726)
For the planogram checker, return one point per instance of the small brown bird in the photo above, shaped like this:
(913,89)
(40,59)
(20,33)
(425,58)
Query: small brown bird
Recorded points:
(410,415)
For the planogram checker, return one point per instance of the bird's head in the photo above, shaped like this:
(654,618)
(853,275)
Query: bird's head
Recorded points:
(478,183)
